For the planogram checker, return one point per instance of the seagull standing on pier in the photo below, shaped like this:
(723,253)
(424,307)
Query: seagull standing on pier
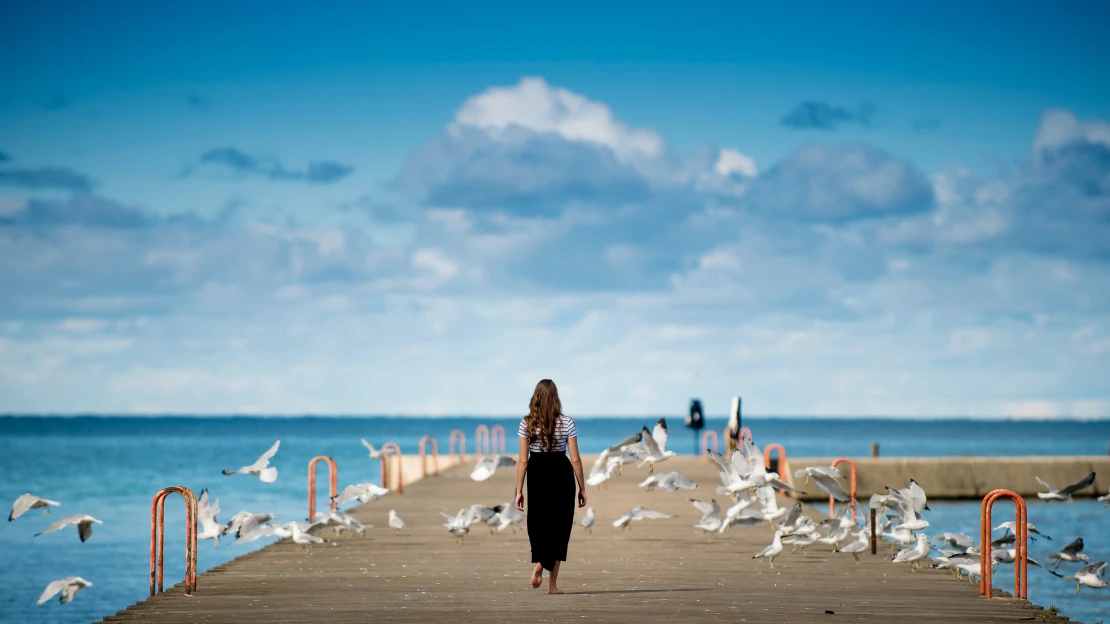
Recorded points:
(862,544)
(589,520)
(261,467)
(1064,494)
(772,551)
(27,502)
(915,553)
(395,521)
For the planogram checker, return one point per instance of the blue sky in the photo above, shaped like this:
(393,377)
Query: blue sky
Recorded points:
(842,210)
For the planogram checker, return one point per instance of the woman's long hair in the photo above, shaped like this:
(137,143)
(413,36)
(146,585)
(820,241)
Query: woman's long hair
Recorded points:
(543,414)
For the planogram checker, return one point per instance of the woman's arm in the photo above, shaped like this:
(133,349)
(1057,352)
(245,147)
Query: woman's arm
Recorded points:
(576,462)
(521,468)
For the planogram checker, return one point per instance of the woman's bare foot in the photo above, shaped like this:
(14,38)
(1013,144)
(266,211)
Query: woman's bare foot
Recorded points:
(537,577)
(554,590)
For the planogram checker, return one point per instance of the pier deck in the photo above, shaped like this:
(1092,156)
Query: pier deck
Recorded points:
(659,571)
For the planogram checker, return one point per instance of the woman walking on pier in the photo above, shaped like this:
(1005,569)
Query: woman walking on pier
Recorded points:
(545,435)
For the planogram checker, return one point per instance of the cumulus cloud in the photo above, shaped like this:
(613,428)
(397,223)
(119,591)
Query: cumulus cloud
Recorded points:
(46,178)
(824,183)
(824,116)
(237,162)
(534,148)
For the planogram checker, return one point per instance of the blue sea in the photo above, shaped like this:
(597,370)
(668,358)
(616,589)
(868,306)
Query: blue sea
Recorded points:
(110,467)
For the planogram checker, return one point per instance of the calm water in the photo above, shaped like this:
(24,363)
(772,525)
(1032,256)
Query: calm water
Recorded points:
(111,467)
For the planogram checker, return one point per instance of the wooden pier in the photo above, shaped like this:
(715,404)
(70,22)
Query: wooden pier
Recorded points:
(659,571)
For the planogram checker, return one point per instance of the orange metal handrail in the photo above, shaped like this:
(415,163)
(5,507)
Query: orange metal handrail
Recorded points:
(1021,544)
(390,449)
(852,492)
(424,460)
(457,436)
(333,484)
(783,467)
(705,445)
(158,537)
(481,434)
(497,434)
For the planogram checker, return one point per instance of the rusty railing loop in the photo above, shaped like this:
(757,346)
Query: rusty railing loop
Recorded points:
(497,439)
(457,436)
(158,538)
(1021,544)
(333,484)
(423,458)
(390,449)
(852,485)
(705,437)
(481,434)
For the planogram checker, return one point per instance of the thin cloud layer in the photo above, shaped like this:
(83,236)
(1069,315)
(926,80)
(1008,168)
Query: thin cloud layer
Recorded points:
(236,162)
(824,116)
(540,236)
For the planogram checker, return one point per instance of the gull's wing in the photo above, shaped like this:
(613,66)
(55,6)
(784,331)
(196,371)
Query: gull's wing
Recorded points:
(729,473)
(959,539)
(754,457)
(264,459)
(830,485)
(1051,490)
(793,515)
(706,508)
(917,497)
(1079,485)
(369,447)
(60,524)
(648,514)
(1074,547)
(629,441)
(766,496)
(659,433)
(650,444)
(504,461)
(84,527)
(1098,567)
(783,486)
(54,587)
(682,481)
(23,503)
(599,464)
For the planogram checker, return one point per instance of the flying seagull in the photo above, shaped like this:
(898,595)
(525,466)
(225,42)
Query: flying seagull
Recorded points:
(29,501)
(208,518)
(260,467)
(486,466)
(1091,576)
(84,524)
(374,453)
(69,586)
(1072,553)
(362,492)
(1064,494)
(826,478)
(655,443)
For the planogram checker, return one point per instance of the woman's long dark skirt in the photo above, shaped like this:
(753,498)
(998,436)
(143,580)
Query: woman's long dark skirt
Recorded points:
(550,506)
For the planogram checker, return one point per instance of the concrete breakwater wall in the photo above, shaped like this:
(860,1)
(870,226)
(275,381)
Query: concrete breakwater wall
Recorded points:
(964,477)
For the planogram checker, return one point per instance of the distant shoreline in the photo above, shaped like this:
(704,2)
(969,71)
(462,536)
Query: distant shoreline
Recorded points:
(675,420)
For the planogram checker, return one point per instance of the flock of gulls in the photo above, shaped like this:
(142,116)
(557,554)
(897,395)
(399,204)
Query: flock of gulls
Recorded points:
(746,485)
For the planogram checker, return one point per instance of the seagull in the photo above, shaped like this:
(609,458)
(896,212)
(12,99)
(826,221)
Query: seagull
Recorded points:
(1091,576)
(588,521)
(362,492)
(1105,500)
(862,544)
(255,531)
(84,524)
(739,514)
(486,466)
(654,443)
(375,453)
(915,553)
(669,482)
(29,501)
(800,539)
(602,470)
(1008,555)
(826,478)
(508,515)
(300,537)
(69,586)
(1065,494)
(956,540)
(207,518)
(260,466)
(708,510)
(900,535)
(638,512)
(395,521)
(246,522)
(1072,553)
(772,551)
(1009,527)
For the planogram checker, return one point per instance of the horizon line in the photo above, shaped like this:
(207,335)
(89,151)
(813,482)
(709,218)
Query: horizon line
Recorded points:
(783,416)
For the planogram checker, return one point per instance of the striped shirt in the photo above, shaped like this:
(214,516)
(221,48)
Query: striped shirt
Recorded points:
(564,430)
